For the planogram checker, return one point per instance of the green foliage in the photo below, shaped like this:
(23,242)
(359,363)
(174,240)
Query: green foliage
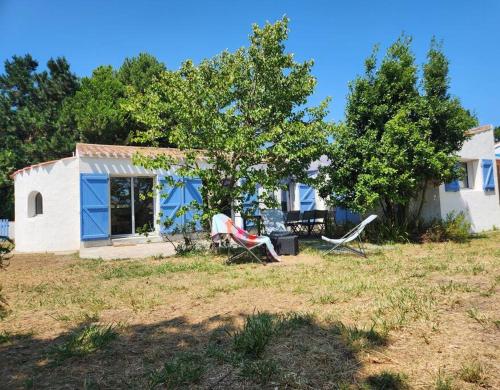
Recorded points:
(235,112)
(183,370)
(96,110)
(455,227)
(259,371)
(388,380)
(472,372)
(255,335)
(85,341)
(497,134)
(139,72)
(31,128)
(396,138)
(443,381)
(359,339)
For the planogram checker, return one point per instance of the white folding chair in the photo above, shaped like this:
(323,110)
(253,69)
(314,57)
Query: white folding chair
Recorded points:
(340,244)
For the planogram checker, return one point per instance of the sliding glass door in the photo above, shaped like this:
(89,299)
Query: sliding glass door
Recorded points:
(132,205)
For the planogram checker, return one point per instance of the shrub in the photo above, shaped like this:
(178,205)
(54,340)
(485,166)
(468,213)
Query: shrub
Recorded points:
(454,227)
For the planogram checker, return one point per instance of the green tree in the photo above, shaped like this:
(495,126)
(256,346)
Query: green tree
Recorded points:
(138,72)
(396,138)
(497,134)
(30,108)
(239,119)
(96,110)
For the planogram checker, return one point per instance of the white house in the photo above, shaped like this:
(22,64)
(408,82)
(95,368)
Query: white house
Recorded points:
(93,197)
(476,194)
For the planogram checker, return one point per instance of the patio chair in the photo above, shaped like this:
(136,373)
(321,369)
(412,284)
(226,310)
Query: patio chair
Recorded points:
(320,217)
(293,220)
(307,221)
(354,234)
(274,222)
(223,227)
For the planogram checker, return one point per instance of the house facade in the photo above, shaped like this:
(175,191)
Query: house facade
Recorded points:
(94,197)
(476,193)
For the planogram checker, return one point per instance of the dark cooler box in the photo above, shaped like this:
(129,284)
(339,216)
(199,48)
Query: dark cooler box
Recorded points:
(285,244)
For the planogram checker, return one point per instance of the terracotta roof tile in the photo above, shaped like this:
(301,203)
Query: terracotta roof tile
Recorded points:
(119,151)
(479,129)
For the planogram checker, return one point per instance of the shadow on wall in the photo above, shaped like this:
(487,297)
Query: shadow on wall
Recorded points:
(292,350)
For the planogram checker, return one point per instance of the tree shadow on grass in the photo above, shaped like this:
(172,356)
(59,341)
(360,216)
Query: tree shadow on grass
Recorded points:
(262,350)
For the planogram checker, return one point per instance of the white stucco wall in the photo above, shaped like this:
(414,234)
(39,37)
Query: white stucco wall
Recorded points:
(58,228)
(482,208)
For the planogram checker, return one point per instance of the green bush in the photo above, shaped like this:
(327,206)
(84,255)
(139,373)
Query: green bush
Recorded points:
(454,227)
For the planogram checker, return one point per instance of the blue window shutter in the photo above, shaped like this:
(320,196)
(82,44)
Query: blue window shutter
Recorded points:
(453,186)
(192,187)
(250,203)
(307,197)
(171,199)
(488,177)
(94,206)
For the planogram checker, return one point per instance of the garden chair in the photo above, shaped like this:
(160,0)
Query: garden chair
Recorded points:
(354,234)
(274,222)
(293,220)
(307,222)
(223,227)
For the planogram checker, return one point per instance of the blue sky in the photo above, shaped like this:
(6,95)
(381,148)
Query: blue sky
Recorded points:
(338,35)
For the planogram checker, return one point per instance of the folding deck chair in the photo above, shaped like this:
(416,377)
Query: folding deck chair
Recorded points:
(274,222)
(340,244)
(223,227)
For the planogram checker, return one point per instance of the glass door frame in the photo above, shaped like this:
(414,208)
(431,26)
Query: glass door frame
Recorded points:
(132,198)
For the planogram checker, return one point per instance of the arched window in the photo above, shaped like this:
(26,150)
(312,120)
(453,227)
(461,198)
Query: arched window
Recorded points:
(35,204)
(38,204)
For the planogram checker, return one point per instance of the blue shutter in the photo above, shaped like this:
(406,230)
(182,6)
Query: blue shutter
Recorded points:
(453,186)
(250,203)
(307,197)
(94,206)
(192,188)
(488,177)
(171,199)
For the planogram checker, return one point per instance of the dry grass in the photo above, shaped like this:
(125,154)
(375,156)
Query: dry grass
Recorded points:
(418,316)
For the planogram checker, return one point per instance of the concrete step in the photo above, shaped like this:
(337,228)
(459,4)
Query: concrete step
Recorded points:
(134,240)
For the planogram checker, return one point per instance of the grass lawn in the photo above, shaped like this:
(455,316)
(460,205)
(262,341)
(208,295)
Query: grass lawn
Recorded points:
(409,316)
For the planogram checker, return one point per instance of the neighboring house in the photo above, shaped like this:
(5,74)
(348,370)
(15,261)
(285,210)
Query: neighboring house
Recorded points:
(497,155)
(476,194)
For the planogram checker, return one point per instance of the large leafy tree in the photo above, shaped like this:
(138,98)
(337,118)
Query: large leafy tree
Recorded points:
(397,137)
(96,110)
(239,118)
(30,128)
